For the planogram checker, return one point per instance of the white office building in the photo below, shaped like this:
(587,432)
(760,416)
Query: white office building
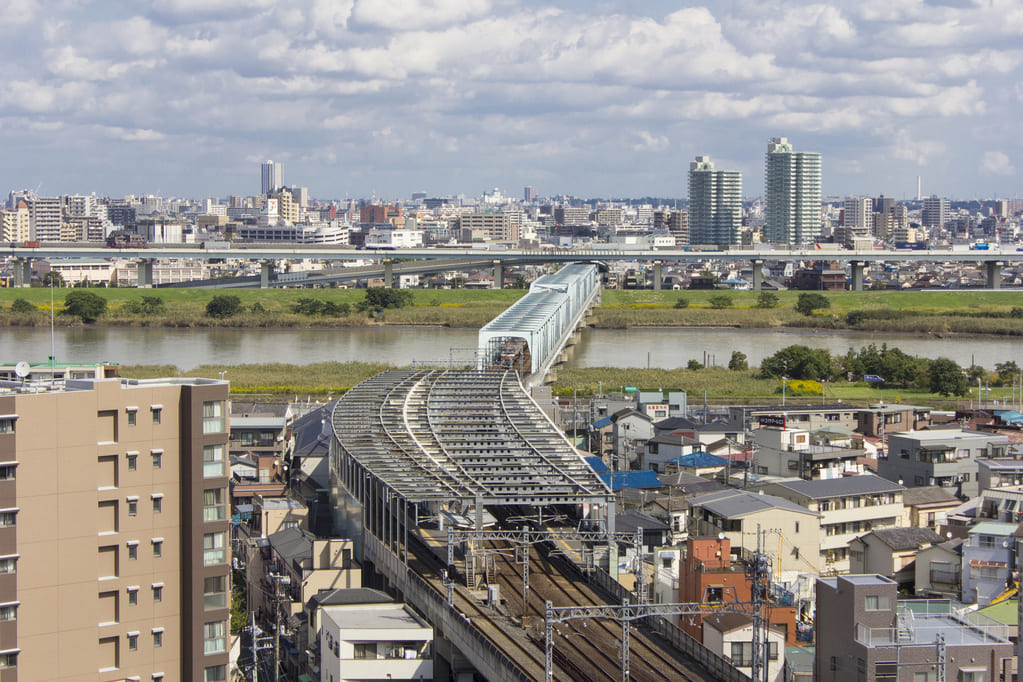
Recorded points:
(272,176)
(793,213)
(715,203)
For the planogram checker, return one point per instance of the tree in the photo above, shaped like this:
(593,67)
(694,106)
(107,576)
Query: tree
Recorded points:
(798,362)
(223,306)
(85,304)
(520,283)
(946,378)
(808,303)
(20,305)
(694,364)
(380,298)
(976,372)
(1006,370)
(53,278)
(767,299)
(738,361)
(719,301)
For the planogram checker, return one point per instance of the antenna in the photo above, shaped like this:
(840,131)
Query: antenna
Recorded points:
(22,369)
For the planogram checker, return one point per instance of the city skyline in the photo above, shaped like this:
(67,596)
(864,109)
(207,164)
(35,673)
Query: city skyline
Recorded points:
(181,98)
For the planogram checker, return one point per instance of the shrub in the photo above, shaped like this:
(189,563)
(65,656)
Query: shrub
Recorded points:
(767,299)
(20,305)
(738,361)
(808,303)
(719,301)
(694,364)
(147,305)
(223,306)
(682,303)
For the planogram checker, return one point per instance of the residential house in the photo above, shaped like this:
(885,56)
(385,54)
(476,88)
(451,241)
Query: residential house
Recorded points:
(868,635)
(989,558)
(848,507)
(998,473)
(630,430)
(805,417)
(706,433)
(811,462)
(373,640)
(938,570)
(926,507)
(946,458)
(731,635)
(789,533)
(878,420)
(701,464)
(709,572)
(665,447)
(1001,504)
(890,552)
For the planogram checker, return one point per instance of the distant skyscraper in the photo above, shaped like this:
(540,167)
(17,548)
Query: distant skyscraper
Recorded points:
(273,176)
(529,194)
(715,203)
(857,212)
(935,213)
(793,194)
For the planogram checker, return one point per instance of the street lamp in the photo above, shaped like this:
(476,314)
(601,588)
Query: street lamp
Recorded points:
(783,380)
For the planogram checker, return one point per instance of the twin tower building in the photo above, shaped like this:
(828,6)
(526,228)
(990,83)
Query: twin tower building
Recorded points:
(793,198)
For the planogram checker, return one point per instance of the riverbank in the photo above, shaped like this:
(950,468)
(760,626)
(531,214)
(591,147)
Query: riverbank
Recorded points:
(980,312)
(323,381)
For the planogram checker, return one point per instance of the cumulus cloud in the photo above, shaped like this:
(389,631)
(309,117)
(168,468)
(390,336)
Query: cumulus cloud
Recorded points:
(996,163)
(361,91)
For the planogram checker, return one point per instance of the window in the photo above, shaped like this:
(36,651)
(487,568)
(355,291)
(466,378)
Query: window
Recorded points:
(972,676)
(742,654)
(8,518)
(986,541)
(8,612)
(886,672)
(133,507)
(157,458)
(772,651)
(157,504)
(132,461)
(6,426)
(213,461)
(213,505)
(7,472)
(133,596)
(157,414)
(876,602)
(9,659)
(215,673)
(213,416)
(133,550)
(213,639)
(364,650)
(214,592)
(157,547)
(157,638)
(213,551)
(133,638)
(158,592)
(9,564)
(132,416)
(797,526)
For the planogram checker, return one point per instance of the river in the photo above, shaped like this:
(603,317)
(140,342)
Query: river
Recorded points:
(641,347)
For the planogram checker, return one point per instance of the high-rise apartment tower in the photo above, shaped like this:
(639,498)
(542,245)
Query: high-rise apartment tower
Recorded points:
(715,203)
(272,176)
(793,214)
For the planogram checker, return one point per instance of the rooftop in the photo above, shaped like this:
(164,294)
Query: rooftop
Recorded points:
(993,528)
(376,617)
(902,539)
(733,504)
(865,484)
(924,495)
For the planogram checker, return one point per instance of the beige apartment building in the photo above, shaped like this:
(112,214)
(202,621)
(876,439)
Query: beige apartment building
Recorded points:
(114,530)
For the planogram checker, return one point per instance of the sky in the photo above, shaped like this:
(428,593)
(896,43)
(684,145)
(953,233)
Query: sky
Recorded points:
(384,98)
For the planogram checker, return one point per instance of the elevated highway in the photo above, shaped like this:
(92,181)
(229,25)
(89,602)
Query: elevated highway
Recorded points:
(993,258)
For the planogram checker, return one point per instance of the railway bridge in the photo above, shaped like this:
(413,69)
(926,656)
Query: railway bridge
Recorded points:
(415,453)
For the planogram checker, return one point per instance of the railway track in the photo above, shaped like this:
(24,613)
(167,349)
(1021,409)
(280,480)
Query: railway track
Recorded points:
(594,644)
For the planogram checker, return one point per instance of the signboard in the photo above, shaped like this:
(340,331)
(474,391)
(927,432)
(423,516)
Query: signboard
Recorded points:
(773,420)
(269,207)
(657,411)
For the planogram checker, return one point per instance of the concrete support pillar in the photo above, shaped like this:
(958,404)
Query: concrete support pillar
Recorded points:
(22,272)
(857,274)
(266,269)
(657,275)
(144,269)
(388,273)
(994,274)
(498,275)
(758,274)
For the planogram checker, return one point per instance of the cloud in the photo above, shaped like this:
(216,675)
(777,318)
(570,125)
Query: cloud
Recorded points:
(996,163)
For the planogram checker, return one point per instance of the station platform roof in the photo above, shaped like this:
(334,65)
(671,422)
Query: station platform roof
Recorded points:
(460,434)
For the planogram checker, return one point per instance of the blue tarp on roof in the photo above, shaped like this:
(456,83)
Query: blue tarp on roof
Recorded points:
(601,423)
(1008,416)
(700,460)
(597,464)
(621,480)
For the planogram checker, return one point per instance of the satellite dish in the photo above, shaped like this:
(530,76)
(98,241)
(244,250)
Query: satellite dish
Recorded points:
(22,369)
